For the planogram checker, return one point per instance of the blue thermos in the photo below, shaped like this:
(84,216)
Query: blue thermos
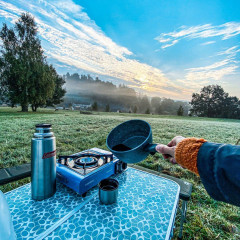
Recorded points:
(43,162)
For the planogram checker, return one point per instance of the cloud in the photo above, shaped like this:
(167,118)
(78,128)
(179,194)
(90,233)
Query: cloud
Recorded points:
(204,73)
(208,43)
(225,31)
(67,5)
(215,73)
(78,42)
(231,52)
(170,44)
(210,67)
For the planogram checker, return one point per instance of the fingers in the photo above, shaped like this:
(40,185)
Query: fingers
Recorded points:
(166,156)
(168,151)
(171,144)
(175,141)
(172,160)
(165,150)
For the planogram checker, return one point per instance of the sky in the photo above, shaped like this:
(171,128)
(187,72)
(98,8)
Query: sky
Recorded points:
(161,48)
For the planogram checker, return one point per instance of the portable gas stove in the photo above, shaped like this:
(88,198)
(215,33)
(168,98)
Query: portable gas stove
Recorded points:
(84,170)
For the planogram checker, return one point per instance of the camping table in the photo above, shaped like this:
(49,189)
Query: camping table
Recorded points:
(146,209)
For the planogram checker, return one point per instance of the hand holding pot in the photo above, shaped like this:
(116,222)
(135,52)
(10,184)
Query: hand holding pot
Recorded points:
(168,151)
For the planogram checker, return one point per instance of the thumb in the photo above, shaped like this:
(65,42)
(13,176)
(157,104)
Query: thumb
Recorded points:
(164,149)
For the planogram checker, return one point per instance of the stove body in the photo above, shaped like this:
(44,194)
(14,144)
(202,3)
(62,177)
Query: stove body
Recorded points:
(84,170)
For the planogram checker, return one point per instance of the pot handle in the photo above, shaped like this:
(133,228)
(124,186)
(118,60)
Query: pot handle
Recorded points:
(151,148)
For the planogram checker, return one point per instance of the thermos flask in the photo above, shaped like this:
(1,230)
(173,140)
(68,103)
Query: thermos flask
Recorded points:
(43,162)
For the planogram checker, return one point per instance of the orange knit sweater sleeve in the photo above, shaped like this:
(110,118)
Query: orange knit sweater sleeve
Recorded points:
(186,153)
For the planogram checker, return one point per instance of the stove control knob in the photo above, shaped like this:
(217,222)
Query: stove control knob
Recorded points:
(124,166)
(120,167)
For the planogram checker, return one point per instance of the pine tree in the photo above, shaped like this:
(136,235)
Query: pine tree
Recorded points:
(95,106)
(135,109)
(107,108)
(180,111)
(147,111)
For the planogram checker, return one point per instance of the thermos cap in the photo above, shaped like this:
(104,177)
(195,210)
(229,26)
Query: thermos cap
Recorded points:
(43,125)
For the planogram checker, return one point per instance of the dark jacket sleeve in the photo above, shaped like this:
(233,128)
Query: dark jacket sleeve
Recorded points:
(219,169)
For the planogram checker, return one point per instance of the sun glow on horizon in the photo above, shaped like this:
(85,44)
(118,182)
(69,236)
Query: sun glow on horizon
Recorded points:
(74,42)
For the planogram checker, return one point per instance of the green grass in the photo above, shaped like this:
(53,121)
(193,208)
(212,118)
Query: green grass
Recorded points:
(206,218)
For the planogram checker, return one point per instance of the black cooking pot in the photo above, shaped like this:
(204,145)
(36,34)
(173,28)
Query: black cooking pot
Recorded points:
(131,141)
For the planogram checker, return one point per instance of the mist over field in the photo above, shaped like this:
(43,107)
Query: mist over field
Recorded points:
(84,89)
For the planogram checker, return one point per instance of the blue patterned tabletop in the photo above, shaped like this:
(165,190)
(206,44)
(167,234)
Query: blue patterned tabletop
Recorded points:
(145,209)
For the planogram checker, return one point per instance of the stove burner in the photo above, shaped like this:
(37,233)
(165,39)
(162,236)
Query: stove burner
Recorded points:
(85,161)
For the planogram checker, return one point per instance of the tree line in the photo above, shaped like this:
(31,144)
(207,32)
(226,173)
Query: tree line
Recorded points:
(214,102)
(106,96)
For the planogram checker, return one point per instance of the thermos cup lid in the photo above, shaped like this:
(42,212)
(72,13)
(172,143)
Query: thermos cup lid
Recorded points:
(108,191)
(43,125)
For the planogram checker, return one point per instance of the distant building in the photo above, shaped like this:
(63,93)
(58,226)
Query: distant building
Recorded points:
(59,108)
(4,105)
(81,106)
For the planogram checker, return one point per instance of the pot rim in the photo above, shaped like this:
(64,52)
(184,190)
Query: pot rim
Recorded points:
(145,141)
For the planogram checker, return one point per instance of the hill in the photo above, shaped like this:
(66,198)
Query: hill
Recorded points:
(83,89)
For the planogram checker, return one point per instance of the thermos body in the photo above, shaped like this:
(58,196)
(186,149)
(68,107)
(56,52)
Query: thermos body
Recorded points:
(43,162)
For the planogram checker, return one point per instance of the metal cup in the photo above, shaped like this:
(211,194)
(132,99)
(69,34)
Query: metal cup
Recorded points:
(108,191)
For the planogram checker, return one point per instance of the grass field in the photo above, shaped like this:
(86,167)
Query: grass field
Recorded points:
(206,218)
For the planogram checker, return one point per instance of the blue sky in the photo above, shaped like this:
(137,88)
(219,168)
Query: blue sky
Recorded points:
(162,48)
